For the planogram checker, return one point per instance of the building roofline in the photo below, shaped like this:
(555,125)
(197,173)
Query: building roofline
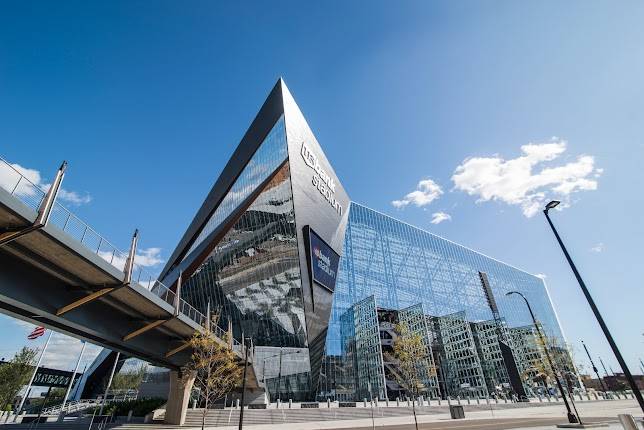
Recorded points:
(270,111)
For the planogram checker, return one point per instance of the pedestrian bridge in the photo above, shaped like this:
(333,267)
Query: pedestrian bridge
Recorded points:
(57,271)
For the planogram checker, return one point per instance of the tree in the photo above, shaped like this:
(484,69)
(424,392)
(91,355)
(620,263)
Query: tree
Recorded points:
(213,364)
(15,374)
(413,359)
(129,380)
(540,370)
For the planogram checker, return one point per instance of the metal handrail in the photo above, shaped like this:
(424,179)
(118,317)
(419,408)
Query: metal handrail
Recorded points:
(71,406)
(22,188)
(32,195)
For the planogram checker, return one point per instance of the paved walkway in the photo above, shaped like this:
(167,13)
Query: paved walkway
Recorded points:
(489,420)
(533,418)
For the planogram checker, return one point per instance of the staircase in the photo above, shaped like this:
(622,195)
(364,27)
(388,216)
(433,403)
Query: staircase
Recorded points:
(221,417)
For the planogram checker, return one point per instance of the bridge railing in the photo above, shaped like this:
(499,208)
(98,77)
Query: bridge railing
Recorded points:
(16,181)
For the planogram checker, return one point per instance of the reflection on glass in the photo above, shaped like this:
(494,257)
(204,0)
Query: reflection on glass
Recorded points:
(252,277)
(404,267)
(269,156)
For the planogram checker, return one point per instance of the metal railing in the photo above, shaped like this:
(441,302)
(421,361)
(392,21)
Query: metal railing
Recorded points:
(21,187)
(71,406)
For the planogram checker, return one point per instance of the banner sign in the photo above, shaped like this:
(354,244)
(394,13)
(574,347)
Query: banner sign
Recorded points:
(324,262)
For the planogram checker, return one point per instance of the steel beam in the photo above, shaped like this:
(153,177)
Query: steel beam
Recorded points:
(84,300)
(177,349)
(129,265)
(143,329)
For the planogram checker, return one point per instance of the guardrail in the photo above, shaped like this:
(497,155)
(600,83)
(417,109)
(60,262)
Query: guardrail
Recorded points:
(22,188)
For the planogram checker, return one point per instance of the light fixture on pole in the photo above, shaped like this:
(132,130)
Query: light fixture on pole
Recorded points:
(593,306)
(592,363)
(571,417)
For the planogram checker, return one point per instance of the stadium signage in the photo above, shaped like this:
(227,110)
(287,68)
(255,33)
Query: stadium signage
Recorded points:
(324,262)
(321,180)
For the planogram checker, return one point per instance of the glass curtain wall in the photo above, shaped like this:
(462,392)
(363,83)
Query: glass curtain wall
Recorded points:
(401,265)
(252,277)
(268,157)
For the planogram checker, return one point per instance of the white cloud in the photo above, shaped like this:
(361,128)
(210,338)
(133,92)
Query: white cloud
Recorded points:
(73,197)
(63,351)
(514,182)
(147,257)
(598,247)
(10,180)
(439,217)
(426,192)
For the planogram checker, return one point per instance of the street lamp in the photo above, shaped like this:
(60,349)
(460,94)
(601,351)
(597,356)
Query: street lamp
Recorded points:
(591,302)
(571,417)
(592,363)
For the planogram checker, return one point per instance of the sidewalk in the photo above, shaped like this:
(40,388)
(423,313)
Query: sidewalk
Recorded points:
(600,409)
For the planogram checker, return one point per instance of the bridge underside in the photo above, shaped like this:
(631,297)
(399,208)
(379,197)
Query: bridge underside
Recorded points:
(46,277)
(35,296)
(46,270)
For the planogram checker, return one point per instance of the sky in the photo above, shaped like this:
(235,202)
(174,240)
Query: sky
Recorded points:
(462,118)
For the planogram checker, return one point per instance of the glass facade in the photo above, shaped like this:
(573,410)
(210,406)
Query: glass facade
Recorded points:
(251,263)
(269,156)
(252,276)
(475,340)
(434,285)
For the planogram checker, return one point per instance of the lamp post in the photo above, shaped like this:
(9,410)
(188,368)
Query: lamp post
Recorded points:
(598,315)
(571,417)
(601,383)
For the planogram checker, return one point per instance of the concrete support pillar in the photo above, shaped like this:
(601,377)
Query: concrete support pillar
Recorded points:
(178,398)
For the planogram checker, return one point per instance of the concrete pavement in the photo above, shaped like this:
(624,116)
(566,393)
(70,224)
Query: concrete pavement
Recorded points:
(492,419)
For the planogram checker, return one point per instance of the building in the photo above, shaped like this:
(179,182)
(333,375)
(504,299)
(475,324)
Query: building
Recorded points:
(614,382)
(319,283)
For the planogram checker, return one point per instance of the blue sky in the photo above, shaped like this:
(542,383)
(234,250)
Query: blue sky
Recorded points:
(478,111)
